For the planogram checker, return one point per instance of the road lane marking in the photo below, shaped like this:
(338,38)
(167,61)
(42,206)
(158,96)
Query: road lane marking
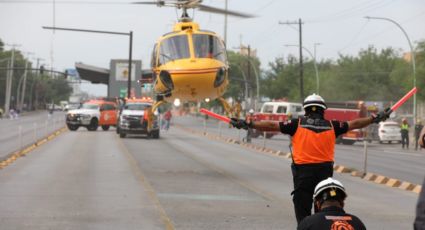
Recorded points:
(208,197)
(267,196)
(147,186)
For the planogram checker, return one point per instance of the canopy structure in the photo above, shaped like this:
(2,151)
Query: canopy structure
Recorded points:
(95,75)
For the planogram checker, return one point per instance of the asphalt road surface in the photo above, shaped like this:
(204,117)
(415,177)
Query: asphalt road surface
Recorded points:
(384,159)
(95,180)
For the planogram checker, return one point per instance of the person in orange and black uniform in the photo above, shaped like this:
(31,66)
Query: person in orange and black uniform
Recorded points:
(313,141)
(329,196)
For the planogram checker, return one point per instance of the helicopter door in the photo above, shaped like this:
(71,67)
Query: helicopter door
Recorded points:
(173,48)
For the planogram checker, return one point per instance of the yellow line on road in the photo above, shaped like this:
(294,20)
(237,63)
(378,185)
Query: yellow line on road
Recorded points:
(148,188)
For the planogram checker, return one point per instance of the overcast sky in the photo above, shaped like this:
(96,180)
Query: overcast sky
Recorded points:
(338,25)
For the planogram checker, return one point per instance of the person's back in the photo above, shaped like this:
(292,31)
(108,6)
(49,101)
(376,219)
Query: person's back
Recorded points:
(328,198)
(331,218)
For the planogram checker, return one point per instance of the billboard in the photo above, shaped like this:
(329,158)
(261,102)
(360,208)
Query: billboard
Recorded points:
(121,71)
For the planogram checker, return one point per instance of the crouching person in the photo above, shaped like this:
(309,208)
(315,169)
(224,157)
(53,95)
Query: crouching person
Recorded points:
(328,198)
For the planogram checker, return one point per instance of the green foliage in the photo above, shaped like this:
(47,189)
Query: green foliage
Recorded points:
(40,89)
(381,75)
(241,71)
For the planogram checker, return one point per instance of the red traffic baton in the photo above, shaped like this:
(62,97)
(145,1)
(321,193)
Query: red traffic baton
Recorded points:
(216,116)
(403,99)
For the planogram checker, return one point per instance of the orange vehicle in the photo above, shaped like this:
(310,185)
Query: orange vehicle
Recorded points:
(92,114)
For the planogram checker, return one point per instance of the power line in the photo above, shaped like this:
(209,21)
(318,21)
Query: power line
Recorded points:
(64,2)
(356,10)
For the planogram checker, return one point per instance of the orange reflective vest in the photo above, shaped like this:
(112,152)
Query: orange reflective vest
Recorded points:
(313,147)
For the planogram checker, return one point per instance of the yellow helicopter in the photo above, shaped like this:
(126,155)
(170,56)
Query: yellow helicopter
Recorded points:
(190,64)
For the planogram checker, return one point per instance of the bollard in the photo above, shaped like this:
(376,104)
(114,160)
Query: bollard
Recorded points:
(219,129)
(35,132)
(239,135)
(45,129)
(205,126)
(264,139)
(20,138)
(365,157)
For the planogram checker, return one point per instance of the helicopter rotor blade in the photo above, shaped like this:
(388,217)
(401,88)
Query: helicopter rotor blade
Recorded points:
(221,11)
(158,3)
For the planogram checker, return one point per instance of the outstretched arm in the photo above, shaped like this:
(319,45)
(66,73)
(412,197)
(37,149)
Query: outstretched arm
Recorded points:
(266,126)
(375,118)
(359,123)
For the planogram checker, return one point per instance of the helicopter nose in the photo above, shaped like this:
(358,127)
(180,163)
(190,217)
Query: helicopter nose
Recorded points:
(219,77)
(165,78)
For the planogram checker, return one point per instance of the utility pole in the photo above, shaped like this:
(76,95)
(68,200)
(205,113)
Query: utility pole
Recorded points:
(9,80)
(249,73)
(35,76)
(301,54)
(24,83)
(225,23)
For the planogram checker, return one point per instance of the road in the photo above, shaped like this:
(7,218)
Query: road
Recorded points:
(95,180)
(385,159)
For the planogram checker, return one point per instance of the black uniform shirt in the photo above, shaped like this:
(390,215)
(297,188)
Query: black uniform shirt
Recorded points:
(331,218)
(316,125)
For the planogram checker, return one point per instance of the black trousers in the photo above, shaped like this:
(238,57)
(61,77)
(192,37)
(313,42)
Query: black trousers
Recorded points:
(306,177)
(404,139)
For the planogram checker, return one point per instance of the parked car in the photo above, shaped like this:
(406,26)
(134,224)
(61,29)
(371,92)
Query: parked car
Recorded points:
(389,131)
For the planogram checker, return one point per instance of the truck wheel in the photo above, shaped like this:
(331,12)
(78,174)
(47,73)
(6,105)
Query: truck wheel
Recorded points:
(93,125)
(122,135)
(348,142)
(117,130)
(269,135)
(255,133)
(155,134)
(105,127)
(72,127)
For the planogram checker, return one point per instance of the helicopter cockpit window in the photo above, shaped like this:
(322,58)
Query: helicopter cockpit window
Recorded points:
(208,46)
(174,48)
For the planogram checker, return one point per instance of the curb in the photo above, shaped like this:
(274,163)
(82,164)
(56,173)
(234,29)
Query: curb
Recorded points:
(376,178)
(9,159)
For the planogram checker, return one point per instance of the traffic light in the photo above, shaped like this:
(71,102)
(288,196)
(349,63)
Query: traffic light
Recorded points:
(42,69)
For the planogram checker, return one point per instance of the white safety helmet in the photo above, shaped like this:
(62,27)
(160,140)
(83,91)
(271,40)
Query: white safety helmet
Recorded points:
(329,188)
(251,111)
(314,100)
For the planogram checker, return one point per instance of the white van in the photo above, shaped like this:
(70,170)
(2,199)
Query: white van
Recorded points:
(282,107)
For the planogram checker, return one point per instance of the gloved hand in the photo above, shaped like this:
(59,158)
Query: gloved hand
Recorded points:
(240,123)
(381,116)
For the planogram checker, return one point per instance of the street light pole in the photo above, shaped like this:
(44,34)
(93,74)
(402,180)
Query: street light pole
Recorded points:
(315,67)
(412,55)
(130,59)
